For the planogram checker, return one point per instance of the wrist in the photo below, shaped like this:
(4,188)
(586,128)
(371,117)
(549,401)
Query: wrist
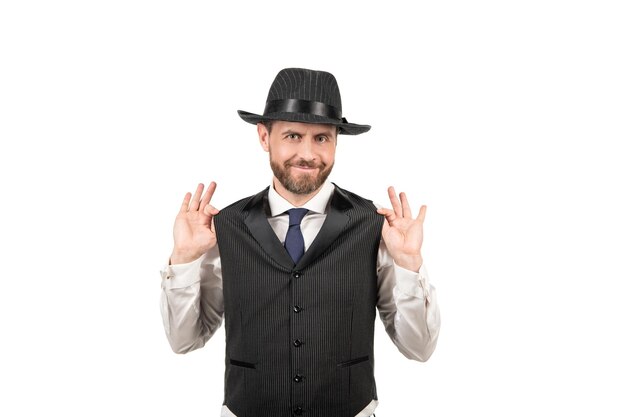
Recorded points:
(183,257)
(410,263)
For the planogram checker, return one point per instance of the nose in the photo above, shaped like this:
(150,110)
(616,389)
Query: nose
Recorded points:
(305,150)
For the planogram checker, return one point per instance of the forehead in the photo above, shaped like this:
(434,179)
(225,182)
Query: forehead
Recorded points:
(281,126)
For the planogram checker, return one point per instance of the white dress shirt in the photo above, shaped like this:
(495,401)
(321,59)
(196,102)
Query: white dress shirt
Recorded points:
(192,304)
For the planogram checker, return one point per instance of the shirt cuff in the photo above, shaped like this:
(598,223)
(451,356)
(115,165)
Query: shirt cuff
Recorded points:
(181,275)
(412,284)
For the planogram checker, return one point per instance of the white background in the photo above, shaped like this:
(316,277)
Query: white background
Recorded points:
(506,118)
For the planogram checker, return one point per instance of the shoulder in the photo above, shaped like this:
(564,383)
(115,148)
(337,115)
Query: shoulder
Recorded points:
(245,204)
(355,199)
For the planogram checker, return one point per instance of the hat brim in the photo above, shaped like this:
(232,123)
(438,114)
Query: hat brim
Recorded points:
(345,128)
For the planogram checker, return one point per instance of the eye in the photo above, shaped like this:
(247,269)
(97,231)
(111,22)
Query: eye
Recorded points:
(322,139)
(293,136)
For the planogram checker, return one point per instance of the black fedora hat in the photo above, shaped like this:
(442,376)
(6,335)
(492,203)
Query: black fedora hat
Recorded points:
(307,96)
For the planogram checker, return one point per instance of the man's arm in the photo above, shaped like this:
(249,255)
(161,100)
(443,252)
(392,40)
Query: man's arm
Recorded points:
(192,303)
(406,301)
(191,298)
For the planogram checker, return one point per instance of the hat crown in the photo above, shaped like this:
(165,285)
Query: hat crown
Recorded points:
(306,84)
(305,96)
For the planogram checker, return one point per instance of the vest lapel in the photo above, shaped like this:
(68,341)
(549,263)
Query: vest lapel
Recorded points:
(336,220)
(257,223)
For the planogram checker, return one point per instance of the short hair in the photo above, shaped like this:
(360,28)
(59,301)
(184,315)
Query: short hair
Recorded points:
(268,125)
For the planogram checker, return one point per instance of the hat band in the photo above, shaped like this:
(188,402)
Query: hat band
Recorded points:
(293,105)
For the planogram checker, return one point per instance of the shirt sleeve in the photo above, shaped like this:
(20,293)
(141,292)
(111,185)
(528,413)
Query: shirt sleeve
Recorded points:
(192,302)
(407,305)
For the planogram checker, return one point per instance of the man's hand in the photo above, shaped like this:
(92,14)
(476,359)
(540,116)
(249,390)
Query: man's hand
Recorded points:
(194,231)
(402,234)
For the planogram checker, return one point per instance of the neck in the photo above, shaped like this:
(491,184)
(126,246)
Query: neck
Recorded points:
(297,200)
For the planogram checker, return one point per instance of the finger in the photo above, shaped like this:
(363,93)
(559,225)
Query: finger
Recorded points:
(209,210)
(206,199)
(406,208)
(395,203)
(185,206)
(195,200)
(422,214)
(389,214)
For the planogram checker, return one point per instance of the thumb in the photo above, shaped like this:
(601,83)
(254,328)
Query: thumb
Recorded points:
(209,210)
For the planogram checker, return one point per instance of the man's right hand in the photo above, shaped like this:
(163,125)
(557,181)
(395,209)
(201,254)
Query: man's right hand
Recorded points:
(194,231)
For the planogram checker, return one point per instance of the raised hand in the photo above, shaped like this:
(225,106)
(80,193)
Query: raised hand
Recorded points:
(403,235)
(194,231)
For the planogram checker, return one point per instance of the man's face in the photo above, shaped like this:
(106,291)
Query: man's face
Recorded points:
(301,154)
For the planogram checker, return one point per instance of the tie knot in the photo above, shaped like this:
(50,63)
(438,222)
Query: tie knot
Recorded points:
(296,215)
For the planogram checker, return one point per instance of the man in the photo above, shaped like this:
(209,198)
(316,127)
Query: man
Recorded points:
(298,270)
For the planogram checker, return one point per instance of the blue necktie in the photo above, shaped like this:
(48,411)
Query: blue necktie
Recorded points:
(294,242)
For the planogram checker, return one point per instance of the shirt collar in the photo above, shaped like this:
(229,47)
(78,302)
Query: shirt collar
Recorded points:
(318,204)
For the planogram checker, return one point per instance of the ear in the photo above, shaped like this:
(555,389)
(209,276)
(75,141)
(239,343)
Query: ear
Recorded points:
(264,136)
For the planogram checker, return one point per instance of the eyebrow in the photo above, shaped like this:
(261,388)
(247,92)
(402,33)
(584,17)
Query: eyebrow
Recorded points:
(325,133)
(290,131)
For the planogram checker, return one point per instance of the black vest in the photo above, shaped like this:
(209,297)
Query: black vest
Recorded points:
(299,338)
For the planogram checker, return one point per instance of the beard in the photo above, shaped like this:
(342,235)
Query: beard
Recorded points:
(304,183)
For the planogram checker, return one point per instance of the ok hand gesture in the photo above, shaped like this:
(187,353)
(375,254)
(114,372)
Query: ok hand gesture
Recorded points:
(194,231)
(402,234)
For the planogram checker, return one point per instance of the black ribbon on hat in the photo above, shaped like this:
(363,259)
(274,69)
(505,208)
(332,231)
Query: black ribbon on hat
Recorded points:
(293,105)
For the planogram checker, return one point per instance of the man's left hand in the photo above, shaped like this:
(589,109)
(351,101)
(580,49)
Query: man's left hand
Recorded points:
(403,235)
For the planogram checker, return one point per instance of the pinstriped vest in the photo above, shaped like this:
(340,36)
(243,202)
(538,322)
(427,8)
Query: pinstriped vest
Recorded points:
(299,338)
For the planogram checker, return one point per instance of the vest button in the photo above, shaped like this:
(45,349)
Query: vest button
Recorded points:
(298,378)
(298,411)
(297,309)
(296,274)
(297,343)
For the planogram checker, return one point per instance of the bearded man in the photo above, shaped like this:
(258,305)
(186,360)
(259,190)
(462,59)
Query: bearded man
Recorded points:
(297,271)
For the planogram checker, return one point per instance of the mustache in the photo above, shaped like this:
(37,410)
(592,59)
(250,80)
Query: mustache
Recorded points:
(303,163)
